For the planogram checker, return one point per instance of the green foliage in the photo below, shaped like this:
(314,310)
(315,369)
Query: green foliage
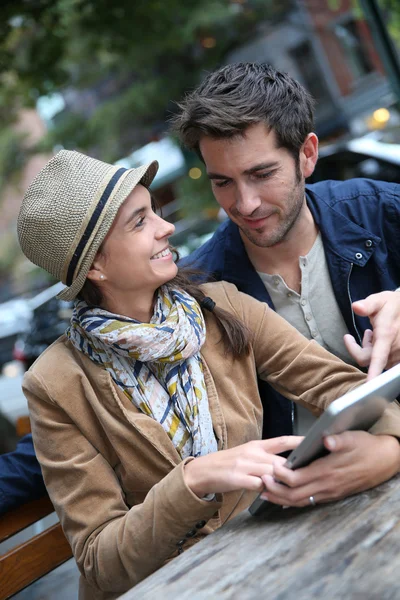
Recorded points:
(195,195)
(12,155)
(137,55)
(128,60)
(9,248)
(391,12)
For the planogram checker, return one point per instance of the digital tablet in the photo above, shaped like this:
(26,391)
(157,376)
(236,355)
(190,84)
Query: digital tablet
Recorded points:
(359,409)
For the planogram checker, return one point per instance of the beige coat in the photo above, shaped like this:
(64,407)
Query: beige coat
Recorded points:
(113,474)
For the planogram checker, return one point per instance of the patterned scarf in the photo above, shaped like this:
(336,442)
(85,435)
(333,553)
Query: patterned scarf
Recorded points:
(157,364)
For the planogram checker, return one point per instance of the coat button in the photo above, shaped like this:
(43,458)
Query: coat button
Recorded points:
(359,255)
(181,542)
(200,524)
(191,533)
(368,243)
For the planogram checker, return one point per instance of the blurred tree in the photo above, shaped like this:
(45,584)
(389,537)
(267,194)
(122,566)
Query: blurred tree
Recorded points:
(116,66)
(391,11)
(134,57)
(194,191)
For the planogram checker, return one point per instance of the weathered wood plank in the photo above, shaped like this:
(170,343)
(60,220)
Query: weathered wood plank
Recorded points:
(349,548)
(15,520)
(32,559)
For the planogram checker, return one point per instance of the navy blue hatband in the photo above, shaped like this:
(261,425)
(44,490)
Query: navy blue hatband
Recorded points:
(91,225)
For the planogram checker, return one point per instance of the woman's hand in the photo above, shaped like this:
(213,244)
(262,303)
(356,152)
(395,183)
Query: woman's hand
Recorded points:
(358,461)
(237,468)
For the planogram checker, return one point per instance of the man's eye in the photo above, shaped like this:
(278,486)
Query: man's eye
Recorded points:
(263,175)
(222,183)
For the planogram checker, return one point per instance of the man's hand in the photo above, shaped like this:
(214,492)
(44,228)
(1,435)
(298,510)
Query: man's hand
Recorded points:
(357,461)
(381,348)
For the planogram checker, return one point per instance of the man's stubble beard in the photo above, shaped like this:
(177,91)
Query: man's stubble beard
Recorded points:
(267,240)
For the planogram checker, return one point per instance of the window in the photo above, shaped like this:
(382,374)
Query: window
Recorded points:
(354,47)
(306,63)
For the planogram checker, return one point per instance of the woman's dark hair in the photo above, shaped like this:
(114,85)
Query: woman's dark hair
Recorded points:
(237,96)
(234,334)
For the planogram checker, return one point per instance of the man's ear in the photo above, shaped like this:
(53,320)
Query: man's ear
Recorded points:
(309,155)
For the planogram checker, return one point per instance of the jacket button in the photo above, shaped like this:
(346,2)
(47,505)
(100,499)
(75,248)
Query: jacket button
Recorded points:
(368,243)
(359,255)
(191,533)
(200,524)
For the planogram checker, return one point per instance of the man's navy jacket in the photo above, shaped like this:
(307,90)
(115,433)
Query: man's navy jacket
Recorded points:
(359,221)
(20,476)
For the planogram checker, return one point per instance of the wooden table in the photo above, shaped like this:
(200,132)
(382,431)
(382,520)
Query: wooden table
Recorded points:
(348,549)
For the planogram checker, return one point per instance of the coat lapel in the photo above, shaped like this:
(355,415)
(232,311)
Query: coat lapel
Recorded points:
(151,430)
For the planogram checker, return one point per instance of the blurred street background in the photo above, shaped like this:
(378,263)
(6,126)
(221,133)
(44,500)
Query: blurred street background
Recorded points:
(103,77)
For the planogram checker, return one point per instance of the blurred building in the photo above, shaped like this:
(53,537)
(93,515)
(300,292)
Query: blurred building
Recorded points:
(331,51)
(325,45)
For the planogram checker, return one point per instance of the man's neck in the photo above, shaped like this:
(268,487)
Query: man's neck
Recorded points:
(284,257)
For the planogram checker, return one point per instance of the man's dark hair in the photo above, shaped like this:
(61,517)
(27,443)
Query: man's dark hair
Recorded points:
(236,96)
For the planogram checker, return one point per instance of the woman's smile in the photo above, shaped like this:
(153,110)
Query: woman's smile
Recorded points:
(163,255)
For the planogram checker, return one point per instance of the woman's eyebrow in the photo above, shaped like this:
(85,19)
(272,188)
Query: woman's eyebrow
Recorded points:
(134,214)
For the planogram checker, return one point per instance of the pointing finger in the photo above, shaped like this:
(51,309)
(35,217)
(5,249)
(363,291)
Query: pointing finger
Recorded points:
(379,356)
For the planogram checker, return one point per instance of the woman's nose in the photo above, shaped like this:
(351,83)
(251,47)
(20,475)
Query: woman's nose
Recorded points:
(165,229)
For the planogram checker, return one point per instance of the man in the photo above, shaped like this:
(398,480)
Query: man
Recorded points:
(20,476)
(325,256)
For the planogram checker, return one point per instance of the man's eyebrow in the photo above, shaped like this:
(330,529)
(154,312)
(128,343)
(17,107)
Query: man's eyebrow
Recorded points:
(261,167)
(254,169)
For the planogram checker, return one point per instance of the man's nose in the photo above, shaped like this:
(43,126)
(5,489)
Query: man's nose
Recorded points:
(247,200)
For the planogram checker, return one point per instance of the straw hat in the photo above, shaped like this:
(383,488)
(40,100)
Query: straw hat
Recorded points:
(68,210)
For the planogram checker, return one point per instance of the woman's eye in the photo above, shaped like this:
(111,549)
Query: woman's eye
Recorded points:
(139,222)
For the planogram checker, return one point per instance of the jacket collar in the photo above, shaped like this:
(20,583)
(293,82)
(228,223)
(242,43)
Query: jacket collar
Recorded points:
(111,394)
(342,237)
(237,268)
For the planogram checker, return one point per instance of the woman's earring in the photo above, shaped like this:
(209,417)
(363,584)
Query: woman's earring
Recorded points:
(101,276)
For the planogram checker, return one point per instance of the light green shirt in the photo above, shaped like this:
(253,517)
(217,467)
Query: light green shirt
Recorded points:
(314,312)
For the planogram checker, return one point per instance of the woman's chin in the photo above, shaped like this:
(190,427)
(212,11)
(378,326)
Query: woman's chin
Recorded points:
(168,274)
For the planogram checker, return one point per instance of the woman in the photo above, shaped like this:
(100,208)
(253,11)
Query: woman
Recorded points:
(148,433)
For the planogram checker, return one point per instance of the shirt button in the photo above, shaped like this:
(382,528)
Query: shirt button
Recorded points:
(276,281)
(359,255)
(200,524)
(314,333)
(289,294)
(308,317)
(368,243)
(303,302)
